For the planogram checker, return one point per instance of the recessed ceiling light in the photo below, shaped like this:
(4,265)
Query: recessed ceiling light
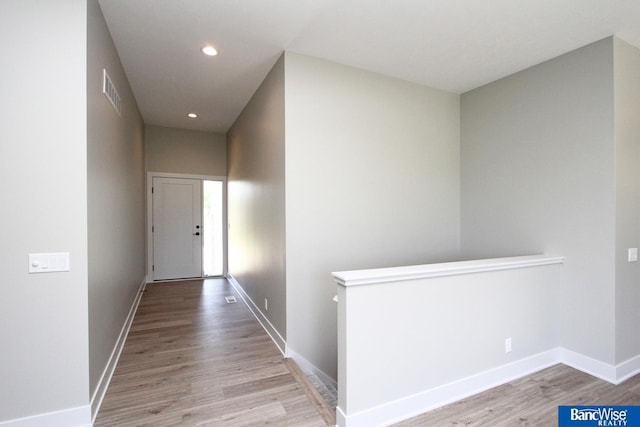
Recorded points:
(209,50)
(192,115)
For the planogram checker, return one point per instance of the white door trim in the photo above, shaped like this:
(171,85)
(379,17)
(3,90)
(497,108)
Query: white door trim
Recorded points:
(149,209)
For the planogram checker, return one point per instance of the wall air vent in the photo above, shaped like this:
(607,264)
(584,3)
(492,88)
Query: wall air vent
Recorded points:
(110,92)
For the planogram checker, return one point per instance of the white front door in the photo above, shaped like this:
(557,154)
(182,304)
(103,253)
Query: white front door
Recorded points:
(177,228)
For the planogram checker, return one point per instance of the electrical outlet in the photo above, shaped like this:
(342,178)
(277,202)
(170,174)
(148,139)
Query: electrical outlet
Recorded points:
(507,345)
(632,254)
(266,304)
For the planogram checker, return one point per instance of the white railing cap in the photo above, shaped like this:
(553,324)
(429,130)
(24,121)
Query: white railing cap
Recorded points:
(411,272)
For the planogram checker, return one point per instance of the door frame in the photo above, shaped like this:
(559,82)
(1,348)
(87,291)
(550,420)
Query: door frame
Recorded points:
(149,209)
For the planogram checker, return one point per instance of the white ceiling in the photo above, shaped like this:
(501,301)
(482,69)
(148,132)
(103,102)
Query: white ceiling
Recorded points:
(454,45)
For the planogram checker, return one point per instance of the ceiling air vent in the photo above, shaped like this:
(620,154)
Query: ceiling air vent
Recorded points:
(110,91)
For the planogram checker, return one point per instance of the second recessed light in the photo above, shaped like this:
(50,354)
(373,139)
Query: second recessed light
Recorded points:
(192,115)
(209,50)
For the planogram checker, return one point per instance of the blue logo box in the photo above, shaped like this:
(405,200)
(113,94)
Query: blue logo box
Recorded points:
(586,416)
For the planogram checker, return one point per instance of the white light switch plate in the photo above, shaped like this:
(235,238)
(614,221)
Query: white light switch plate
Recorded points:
(633,254)
(49,262)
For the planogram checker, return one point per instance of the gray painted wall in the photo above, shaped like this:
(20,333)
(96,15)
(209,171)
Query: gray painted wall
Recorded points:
(185,151)
(627,152)
(44,362)
(115,149)
(372,180)
(537,156)
(256,198)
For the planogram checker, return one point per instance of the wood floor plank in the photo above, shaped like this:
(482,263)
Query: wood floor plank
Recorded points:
(258,385)
(271,411)
(193,359)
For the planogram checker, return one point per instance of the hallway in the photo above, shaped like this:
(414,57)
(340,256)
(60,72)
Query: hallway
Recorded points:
(192,359)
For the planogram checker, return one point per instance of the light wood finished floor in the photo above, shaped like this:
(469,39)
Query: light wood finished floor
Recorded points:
(531,401)
(192,359)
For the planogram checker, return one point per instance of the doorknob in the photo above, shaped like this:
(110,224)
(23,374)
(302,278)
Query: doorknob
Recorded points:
(196,234)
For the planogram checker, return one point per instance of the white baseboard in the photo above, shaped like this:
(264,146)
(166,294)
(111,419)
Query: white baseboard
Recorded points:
(105,379)
(309,367)
(260,317)
(586,364)
(407,407)
(627,369)
(72,417)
